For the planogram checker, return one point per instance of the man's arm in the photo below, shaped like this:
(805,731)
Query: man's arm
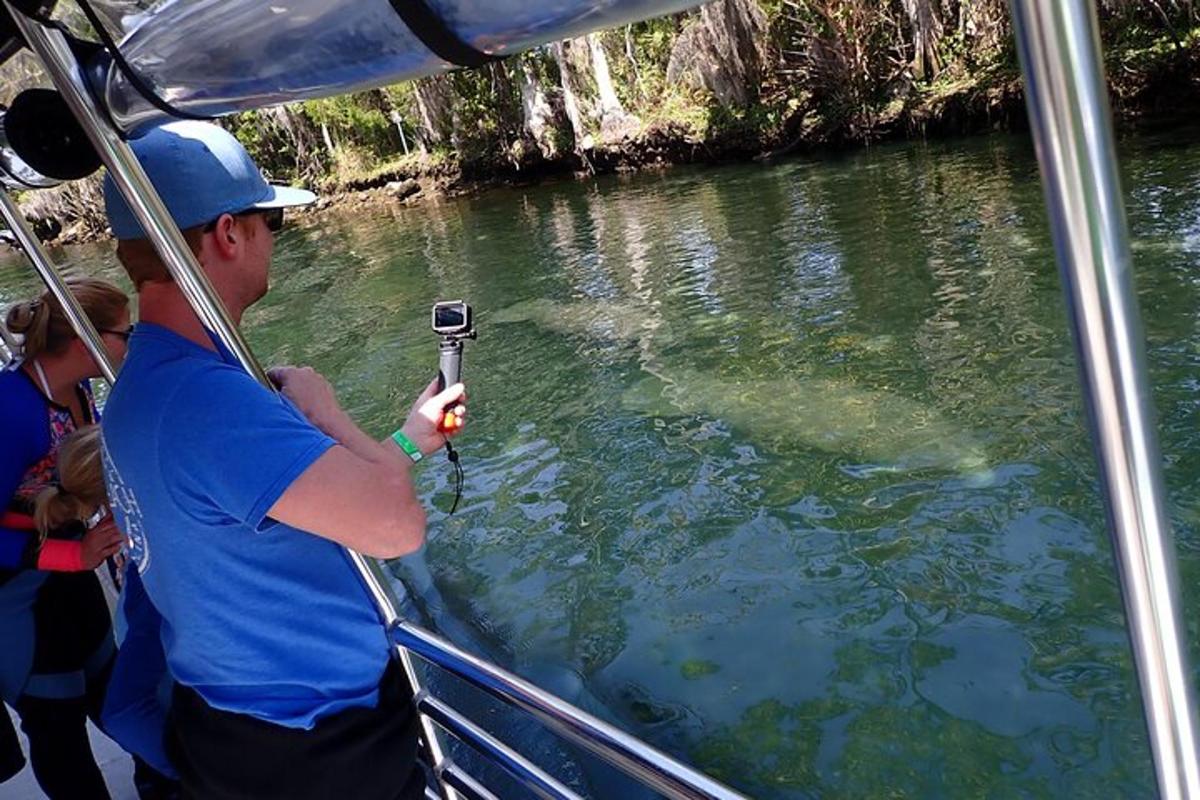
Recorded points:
(359,493)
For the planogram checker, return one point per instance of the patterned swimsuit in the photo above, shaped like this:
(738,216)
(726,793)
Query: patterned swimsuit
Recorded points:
(44,473)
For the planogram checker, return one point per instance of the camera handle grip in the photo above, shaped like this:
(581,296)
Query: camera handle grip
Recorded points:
(449,362)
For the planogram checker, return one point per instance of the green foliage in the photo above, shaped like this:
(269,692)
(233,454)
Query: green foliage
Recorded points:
(836,70)
(356,122)
(487,113)
(1137,25)
(847,55)
(277,148)
(641,82)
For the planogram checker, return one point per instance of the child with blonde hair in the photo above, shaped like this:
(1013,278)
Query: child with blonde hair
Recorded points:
(79,496)
(133,712)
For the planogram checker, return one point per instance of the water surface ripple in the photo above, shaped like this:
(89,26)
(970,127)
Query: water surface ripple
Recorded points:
(782,468)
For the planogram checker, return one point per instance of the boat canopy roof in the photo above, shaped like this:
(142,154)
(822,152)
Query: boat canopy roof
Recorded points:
(207,58)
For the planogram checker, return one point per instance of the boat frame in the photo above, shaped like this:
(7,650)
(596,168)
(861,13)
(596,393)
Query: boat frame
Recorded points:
(1058,43)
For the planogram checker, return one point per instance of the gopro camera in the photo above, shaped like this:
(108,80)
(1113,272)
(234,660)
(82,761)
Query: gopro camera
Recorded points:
(452,322)
(452,318)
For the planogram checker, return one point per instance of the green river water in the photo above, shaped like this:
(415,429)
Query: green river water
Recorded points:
(783,467)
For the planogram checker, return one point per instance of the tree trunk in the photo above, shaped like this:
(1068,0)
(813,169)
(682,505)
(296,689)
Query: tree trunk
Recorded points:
(984,23)
(329,148)
(723,51)
(574,87)
(434,98)
(926,34)
(615,122)
(540,119)
(297,131)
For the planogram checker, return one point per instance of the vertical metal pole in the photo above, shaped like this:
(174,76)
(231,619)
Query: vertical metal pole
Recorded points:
(42,262)
(399,123)
(51,48)
(1069,115)
(7,345)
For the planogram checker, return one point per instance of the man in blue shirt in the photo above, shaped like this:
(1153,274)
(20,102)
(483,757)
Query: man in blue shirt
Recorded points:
(237,502)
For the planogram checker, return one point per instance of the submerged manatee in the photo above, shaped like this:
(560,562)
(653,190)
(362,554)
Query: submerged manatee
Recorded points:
(836,416)
(599,319)
(622,321)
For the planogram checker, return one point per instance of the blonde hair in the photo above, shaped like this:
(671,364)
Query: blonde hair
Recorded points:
(44,325)
(80,490)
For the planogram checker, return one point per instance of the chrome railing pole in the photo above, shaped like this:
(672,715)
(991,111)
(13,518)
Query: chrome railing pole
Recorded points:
(521,769)
(44,265)
(1070,119)
(635,758)
(463,783)
(53,51)
(7,343)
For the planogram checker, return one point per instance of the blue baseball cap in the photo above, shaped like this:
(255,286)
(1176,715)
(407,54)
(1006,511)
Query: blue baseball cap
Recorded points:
(201,172)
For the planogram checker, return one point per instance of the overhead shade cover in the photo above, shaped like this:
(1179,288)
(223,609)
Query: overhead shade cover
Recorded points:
(214,57)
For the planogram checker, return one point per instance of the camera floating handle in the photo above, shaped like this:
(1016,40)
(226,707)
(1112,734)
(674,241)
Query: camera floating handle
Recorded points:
(450,350)
(452,322)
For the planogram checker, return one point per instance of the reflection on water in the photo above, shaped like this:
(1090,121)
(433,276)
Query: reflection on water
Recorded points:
(782,468)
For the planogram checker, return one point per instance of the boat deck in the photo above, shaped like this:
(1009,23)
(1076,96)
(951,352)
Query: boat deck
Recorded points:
(114,762)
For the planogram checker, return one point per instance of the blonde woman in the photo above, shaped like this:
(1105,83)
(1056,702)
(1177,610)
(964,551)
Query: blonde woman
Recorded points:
(58,645)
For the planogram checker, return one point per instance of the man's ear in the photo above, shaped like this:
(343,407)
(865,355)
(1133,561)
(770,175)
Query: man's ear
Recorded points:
(227,238)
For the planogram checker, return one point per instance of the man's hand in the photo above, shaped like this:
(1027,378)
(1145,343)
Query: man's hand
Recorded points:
(436,416)
(99,543)
(312,394)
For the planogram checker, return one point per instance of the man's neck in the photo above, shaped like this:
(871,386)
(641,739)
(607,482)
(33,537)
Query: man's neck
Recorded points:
(164,304)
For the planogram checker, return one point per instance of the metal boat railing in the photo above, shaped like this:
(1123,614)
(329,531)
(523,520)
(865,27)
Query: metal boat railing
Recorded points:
(635,758)
(640,761)
(1071,125)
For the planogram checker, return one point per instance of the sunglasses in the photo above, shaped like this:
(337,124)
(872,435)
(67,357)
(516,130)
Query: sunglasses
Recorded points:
(272,217)
(124,334)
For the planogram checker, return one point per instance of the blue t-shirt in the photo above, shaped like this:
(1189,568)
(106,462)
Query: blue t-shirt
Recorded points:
(258,617)
(139,687)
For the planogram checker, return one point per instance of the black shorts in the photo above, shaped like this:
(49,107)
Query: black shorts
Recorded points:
(73,645)
(359,753)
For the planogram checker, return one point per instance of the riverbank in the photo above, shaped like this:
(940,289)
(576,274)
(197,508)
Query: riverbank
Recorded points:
(1150,86)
